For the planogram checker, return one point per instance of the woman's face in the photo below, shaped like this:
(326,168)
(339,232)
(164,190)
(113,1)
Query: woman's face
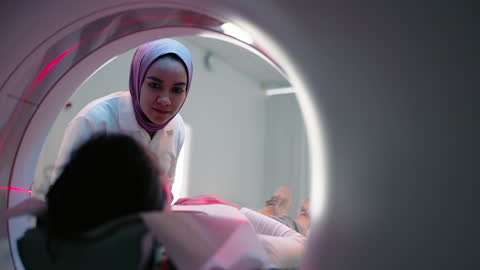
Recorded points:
(163,89)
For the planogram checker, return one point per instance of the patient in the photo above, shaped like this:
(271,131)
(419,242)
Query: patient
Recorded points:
(108,183)
(82,198)
(107,208)
(283,244)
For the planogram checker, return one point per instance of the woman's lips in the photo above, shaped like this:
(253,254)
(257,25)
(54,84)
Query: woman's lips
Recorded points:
(161,111)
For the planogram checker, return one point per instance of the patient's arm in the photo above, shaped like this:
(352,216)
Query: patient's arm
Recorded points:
(268,226)
(284,245)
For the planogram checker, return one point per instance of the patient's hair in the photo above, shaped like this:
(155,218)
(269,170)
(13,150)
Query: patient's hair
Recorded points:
(107,177)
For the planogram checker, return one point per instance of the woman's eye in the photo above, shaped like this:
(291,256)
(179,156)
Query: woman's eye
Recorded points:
(154,85)
(178,90)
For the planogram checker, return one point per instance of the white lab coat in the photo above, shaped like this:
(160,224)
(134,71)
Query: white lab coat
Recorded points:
(114,114)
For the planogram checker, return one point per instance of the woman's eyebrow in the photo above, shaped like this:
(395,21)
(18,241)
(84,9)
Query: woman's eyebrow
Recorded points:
(154,78)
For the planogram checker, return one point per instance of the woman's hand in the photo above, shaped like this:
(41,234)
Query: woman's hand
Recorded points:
(204,199)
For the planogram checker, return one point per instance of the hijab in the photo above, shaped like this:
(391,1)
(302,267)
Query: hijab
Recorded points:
(145,55)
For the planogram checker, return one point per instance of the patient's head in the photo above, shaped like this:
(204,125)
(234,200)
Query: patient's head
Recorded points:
(107,177)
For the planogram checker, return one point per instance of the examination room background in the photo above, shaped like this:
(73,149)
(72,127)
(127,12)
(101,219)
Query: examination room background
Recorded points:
(243,143)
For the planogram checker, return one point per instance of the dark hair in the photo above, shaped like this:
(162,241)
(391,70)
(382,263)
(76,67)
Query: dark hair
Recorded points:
(107,177)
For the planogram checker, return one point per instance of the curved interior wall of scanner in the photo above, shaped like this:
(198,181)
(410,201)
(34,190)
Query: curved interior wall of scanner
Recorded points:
(394,85)
(66,57)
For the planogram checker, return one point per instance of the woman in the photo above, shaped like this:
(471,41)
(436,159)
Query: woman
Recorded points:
(160,77)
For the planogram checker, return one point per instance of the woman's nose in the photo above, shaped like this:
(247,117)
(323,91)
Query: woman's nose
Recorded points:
(164,100)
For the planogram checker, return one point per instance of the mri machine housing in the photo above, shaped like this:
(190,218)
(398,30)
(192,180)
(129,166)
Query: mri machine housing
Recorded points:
(385,92)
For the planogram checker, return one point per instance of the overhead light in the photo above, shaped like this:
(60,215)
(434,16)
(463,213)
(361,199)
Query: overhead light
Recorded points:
(279,91)
(236,32)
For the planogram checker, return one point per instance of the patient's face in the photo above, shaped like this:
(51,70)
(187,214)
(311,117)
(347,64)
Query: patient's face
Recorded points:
(165,181)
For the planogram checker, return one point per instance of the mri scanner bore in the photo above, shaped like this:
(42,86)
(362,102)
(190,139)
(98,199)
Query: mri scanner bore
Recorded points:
(268,128)
(386,90)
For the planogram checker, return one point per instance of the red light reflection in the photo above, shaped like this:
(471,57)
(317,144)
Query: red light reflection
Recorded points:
(16,189)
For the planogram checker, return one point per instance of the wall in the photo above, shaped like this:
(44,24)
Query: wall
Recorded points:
(112,77)
(226,112)
(286,149)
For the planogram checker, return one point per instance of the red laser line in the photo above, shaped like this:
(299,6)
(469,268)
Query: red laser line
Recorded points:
(16,189)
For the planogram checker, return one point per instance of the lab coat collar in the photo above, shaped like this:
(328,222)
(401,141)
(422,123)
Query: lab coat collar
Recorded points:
(127,119)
